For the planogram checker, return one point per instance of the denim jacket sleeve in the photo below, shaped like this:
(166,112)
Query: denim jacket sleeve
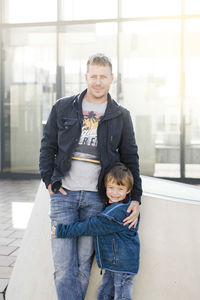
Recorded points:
(98,225)
(129,154)
(49,147)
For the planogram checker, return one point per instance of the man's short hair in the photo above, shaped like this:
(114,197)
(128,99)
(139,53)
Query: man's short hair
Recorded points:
(99,59)
(121,175)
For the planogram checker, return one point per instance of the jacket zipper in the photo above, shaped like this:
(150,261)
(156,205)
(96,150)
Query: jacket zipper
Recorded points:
(114,252)
(99,255)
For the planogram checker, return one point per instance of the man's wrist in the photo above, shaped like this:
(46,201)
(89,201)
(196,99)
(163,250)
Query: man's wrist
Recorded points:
(136,202)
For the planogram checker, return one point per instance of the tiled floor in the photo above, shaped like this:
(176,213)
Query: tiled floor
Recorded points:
(16,202)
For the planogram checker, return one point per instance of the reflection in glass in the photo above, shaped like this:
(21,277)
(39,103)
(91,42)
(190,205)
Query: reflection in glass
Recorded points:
(192,110)
(192,7)
(149,67)
(88,9)
(146,8)
(77,43)
(29,94)
(24,11)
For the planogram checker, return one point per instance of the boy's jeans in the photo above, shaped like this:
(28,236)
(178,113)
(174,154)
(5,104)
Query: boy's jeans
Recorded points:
(73,257)
(116,286)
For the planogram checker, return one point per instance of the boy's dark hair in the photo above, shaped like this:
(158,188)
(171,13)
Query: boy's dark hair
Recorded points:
(120,174)
(99,59)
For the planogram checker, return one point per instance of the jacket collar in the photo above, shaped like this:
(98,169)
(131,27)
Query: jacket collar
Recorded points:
(112,109)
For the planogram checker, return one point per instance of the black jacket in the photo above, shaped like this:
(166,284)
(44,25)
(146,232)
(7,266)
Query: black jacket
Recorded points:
(116,142)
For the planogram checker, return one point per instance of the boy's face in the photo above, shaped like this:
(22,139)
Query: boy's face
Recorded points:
(116,192)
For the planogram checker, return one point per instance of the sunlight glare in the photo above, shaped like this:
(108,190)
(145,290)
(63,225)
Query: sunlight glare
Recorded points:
(21,212)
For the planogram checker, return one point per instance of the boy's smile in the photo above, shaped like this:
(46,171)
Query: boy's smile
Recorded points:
(116,192)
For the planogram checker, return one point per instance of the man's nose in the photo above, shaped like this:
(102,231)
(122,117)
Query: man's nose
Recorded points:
(98,80)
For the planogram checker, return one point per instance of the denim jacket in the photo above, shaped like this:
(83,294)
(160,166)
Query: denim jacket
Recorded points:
(116,142)
(117,248)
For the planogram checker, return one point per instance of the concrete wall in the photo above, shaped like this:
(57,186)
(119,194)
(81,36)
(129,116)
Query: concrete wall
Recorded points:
(170,256)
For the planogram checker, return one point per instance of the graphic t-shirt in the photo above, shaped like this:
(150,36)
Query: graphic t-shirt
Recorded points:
(85,167)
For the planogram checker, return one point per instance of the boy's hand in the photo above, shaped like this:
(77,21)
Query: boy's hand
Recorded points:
(53,230)
(133,218)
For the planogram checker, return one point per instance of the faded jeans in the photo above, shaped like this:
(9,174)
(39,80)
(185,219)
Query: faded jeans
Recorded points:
(73,256)
(116,286)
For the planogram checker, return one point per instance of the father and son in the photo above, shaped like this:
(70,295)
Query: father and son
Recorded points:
(90,166)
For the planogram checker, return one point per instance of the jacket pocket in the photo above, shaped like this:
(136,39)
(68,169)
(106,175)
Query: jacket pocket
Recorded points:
(68,122)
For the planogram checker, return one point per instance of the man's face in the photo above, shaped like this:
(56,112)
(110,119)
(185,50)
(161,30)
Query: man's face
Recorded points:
(99,79)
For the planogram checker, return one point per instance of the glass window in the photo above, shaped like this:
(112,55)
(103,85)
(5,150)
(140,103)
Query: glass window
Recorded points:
(88,9)
(149,68)
(192,91)
(29,92)
(146,8)
(192,7)
(23,11)
(77,43)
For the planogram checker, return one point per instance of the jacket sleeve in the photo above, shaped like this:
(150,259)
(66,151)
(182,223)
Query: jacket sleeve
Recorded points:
(49,147)
(98,225)
(129,154)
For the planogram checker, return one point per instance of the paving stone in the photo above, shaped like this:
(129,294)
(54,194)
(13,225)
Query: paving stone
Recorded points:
(2,213)
(7,250)
(17,234)
(10,237)
(1,297)
(6,261)
(6,233)
(4,226)
(5,220)
(12,265)
(16,242)
(16,252)
(5,272)
(3,285)
(6,241)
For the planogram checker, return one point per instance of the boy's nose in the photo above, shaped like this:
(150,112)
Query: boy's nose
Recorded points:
(114,193)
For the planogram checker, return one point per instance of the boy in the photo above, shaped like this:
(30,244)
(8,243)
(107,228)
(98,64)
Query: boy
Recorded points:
(116,246)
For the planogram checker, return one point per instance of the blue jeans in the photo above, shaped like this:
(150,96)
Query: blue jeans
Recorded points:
(116,286)
(73,257)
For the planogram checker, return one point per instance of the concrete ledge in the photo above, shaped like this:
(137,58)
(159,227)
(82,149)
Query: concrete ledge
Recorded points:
(170,256)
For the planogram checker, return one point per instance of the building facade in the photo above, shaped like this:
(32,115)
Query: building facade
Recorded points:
(155,50)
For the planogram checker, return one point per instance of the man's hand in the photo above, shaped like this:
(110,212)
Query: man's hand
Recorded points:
(133,218)
(61,190)
(53,230)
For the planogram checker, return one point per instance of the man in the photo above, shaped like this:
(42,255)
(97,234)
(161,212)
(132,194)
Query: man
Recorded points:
(84,137)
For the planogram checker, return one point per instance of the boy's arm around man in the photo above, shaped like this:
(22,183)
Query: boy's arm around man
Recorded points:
(103,224)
